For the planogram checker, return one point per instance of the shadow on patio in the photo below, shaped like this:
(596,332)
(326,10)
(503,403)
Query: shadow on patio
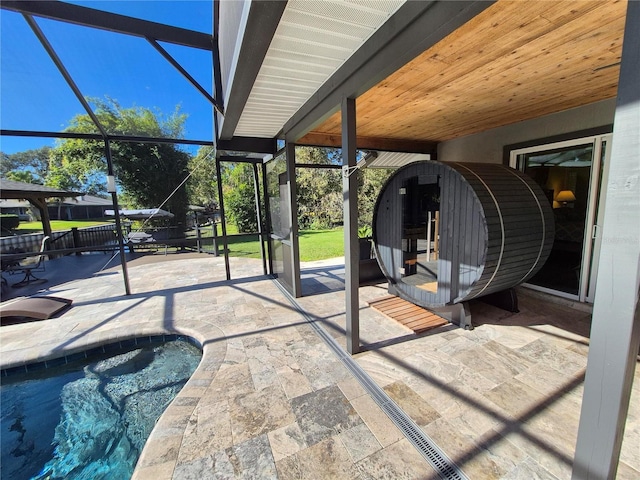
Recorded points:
(502,401)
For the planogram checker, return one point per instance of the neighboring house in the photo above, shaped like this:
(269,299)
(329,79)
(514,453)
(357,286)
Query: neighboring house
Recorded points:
(550,88)
(36,195)
(79,208)
(22,208)
(71,208)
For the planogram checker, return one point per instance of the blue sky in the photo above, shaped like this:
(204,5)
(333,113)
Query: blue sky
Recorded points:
(34,96)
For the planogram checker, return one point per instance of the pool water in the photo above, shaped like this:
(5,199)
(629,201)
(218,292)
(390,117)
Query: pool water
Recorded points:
(90,421)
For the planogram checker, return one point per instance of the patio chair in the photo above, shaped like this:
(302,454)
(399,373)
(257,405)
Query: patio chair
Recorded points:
(41,308)
(28,268)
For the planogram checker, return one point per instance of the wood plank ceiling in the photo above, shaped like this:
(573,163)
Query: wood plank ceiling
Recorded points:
(515,61)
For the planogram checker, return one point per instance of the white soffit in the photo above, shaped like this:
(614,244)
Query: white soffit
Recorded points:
(396,159)
(314,38)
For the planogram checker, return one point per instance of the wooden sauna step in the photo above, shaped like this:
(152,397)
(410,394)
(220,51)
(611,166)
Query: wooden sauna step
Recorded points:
(407,314)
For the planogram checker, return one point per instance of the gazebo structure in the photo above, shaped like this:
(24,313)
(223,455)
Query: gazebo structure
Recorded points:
(36,195)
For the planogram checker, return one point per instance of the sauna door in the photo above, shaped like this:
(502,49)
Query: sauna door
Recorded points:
(420,232)
(571,175)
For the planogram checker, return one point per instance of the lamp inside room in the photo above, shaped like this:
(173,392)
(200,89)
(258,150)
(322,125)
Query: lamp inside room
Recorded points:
(565,196)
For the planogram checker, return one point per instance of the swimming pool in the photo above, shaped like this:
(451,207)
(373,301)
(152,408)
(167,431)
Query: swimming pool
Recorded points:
(90,420)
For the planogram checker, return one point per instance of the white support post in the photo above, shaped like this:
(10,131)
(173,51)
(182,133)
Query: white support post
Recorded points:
(615,328)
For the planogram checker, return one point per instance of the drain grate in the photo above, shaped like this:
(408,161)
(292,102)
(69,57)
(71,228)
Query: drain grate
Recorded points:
(446,468)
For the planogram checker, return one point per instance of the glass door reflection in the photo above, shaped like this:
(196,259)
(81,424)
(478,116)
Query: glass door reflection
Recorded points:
(565,175)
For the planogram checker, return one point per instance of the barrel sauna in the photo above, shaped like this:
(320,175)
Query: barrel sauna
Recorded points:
(445,233)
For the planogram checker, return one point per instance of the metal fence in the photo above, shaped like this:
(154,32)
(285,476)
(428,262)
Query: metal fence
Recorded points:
(98,236)
(104,237)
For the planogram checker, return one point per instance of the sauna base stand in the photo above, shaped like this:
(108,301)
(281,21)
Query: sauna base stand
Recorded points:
(505,299)
(458,314)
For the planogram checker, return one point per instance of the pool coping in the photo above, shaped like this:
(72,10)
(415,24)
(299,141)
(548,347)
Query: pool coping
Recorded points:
(201,377)
(56,359)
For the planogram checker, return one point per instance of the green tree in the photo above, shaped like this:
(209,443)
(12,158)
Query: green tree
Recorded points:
(319,190)
(24,176)
(78,164)
(202,186)
(30,166)
(370,182)
(150,174)
(239,196)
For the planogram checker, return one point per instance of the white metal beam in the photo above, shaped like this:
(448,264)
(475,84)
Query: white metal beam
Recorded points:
(261,24)
(615,329)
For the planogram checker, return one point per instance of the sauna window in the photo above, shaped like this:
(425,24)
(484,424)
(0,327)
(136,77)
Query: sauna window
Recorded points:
(420,231)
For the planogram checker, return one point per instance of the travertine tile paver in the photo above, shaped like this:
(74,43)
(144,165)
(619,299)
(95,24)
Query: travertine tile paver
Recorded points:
(286,441)
(398,461)
(377,422)
(413,404)
(266,390)
(328,459)
(324,413)
(359,442)
(270,400)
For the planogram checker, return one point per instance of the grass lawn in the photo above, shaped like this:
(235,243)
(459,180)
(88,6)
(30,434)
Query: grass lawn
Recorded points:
(58,225)
(314,244)
(321,244)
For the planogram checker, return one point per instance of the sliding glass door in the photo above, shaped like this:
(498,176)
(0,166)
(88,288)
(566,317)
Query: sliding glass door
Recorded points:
(570,173)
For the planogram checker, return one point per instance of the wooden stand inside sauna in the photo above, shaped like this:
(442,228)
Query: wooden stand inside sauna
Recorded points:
(445,233)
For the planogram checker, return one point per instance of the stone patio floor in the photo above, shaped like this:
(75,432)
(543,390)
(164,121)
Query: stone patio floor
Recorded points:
(271,400)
